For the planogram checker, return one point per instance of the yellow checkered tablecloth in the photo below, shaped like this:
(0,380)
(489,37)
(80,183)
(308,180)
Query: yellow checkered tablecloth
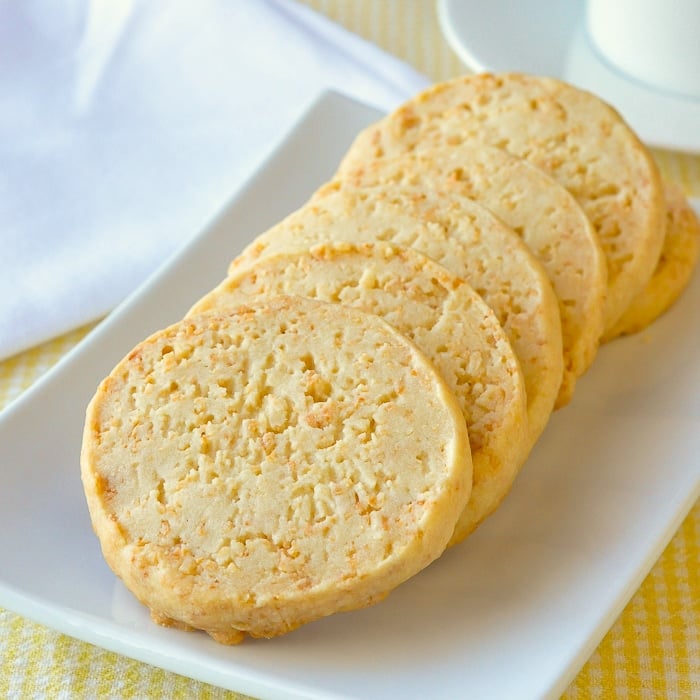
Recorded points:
(652,650)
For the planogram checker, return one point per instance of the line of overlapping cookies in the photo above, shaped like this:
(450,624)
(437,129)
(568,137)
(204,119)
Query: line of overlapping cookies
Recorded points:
(503,226)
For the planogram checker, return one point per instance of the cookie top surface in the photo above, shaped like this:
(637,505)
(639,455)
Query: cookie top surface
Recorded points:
(442,315)
(463,236)
(253,471)
(679,256)
(571,134)
(542,212)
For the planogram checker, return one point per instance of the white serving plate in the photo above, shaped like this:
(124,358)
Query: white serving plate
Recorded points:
(548,37)
(513,612)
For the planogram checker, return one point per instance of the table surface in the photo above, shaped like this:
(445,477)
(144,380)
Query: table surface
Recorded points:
(652,650)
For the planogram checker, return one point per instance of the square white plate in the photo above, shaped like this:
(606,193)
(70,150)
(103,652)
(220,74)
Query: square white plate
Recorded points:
(512,612)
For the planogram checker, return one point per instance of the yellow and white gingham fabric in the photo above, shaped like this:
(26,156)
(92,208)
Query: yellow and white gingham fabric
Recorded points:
(652,651)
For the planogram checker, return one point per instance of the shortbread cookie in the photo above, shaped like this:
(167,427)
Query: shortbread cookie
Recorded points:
(541,211)
(442,315)
(254,471)
(571,134)
(674,270)
(470,242)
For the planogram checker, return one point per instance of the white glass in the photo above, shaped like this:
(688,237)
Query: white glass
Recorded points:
(654,41)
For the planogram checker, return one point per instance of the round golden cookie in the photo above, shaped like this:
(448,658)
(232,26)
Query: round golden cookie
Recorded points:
(535,206)
(470,241)
(442,315)
(674,270)
(571,134)
(254,471)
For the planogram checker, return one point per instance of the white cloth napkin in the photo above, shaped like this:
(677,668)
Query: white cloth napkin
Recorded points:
(125,125)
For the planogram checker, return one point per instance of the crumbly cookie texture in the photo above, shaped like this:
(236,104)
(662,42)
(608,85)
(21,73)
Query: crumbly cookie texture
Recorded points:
(571,134)
(673,271)
(247,473)
(362,390)
(534,205)
(463,236)
(442,315)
